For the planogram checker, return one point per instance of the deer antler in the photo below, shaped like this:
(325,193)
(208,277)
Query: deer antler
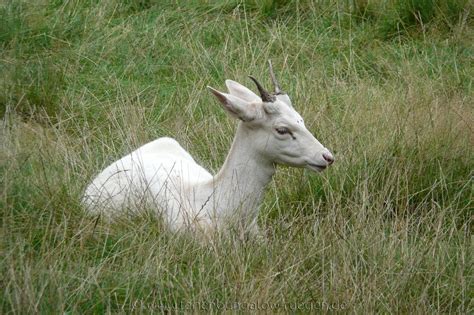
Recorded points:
(266,97)
(278,91)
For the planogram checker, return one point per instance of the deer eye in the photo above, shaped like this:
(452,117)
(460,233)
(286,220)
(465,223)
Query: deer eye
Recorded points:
(282,130)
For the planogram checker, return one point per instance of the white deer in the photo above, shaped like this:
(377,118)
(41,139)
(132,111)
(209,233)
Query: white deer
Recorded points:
(162,176)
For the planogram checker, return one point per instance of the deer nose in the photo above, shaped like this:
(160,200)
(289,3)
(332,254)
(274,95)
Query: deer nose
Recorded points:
(328,157)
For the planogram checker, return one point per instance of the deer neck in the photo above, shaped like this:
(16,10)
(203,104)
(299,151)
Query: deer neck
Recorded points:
(240,184)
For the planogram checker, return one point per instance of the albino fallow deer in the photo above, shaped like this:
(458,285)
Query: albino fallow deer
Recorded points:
(163,177)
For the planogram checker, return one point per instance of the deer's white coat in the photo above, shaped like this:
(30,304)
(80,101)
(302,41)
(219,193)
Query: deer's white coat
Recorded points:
(162,176)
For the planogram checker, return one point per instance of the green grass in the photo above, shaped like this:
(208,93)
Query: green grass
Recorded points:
(386,85)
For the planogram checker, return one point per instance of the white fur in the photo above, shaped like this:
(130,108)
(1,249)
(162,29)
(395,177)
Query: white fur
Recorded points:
(162,176)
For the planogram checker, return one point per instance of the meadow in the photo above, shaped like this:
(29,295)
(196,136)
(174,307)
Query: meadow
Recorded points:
(386,85)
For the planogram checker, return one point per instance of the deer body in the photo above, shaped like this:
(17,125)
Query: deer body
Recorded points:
(161,175)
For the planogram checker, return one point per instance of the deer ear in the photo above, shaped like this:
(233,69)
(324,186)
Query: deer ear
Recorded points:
(241,91)
(235,106)
(285,99)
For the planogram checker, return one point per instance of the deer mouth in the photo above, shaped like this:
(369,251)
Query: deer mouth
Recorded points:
(316,167)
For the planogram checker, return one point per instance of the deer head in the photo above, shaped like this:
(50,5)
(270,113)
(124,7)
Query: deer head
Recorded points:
(276,130)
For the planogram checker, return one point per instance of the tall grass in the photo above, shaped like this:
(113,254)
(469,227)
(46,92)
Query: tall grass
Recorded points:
(387,86)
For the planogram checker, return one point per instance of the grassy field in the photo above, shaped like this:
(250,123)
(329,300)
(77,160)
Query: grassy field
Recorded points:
(386,85)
